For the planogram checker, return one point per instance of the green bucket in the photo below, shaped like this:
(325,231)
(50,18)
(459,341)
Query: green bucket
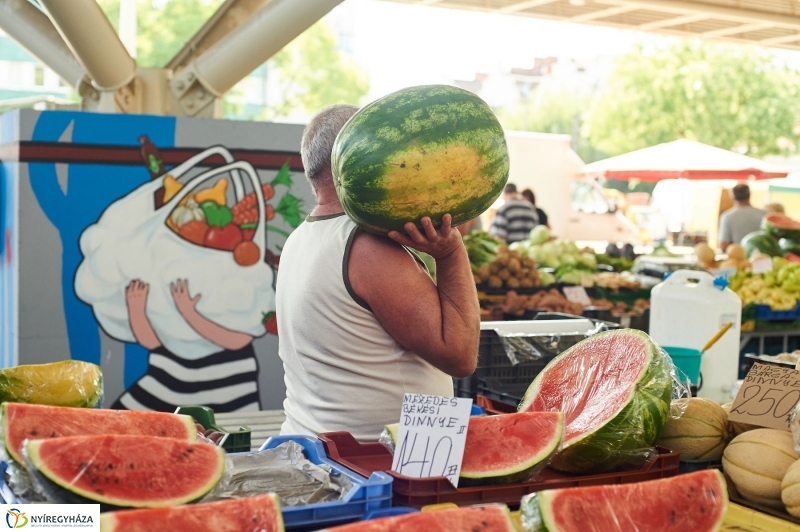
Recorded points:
(687,360)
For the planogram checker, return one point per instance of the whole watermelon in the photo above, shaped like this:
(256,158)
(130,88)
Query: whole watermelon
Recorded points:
(421,151)
(790,246)
(761,241)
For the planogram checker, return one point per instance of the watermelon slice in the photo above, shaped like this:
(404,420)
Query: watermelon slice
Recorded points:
(124,471)
(24,421)
(507,448)
(493,518)
(253,514)
(694,502)
(614,389)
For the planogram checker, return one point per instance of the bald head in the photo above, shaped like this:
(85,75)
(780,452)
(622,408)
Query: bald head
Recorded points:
(318,138)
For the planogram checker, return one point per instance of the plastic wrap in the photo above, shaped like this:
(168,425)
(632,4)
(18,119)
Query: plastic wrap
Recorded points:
(65,383)
(794,424)
(526,346)
(615,401)
(690,502)
(284,471)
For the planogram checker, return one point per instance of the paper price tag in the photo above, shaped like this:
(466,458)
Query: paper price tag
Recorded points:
(577,294)
(762,265)
(431,437)
(767,397)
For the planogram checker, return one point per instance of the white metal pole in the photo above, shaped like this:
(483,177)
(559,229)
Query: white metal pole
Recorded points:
(87,31)
(33,31)
(127,25)
(267,31)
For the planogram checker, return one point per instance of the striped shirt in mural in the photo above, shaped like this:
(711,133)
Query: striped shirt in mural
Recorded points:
(225,382)
(514,221)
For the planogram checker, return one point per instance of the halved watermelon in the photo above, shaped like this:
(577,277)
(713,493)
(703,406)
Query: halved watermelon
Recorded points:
(492,518)
(252,514)
(614,389)
(694,502)
(507,448)
(125,471)
(781,226)
(25,421)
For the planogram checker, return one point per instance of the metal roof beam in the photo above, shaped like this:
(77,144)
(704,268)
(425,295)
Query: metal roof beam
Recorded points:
(522,6)
(670,22)
(34,31)
(229,15)
(732,14)
(603,13)
(736,30)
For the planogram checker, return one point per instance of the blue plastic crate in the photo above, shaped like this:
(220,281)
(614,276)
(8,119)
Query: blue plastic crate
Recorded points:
(477,410)
(390,512)
(765,312)
(368,495)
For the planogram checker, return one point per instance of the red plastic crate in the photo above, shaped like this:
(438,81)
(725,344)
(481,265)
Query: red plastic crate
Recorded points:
(364,458)
(493,407)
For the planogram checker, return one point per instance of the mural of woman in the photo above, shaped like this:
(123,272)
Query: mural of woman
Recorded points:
(171,380)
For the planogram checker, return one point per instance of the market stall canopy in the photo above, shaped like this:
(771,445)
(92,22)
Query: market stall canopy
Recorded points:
(774,23)
(683,159)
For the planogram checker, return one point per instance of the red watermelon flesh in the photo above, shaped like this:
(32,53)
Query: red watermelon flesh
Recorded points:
(510,446)
(694,502)
(253,514)
(495,518)
(26,421)
(129,471)
(614,389)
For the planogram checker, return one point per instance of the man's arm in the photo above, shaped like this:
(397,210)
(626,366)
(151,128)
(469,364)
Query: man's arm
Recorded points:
(439,322)
(725,233)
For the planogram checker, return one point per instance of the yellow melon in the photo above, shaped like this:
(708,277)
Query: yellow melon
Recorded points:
(757,461)
(700,434)
(734,428)
(790,489)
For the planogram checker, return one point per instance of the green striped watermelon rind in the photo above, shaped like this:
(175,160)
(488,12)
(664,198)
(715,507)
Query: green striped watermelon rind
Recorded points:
(58,490)
(627,439)
(362,160)
(537,514)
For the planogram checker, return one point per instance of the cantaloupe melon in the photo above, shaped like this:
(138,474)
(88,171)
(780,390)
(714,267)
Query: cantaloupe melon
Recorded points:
(790,489)
(700,434)
(734,428)
(757,461)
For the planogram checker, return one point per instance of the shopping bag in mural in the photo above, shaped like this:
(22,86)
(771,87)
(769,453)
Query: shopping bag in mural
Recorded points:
(149,235)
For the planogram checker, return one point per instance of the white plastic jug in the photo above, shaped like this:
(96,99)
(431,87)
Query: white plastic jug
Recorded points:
(686,310)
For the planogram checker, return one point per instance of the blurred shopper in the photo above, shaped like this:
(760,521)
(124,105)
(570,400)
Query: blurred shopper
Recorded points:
(774,207)
(531,197)
(515,218)
(739,221)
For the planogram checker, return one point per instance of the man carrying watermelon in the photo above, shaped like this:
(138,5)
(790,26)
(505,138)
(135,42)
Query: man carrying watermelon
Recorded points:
(361,322)
(740,220)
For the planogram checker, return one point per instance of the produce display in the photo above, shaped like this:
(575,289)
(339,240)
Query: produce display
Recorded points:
(780,288)
(125,471)
(790,489)
(757,461)
(507,448)
(781,226)
(553,300)
(694,502)
(205,218)
(700,434)
(614,389)
(23,421)
(509,269)
(762,242)
(65,383)
(736,428)
(253,514)
(420,151)
(488,518)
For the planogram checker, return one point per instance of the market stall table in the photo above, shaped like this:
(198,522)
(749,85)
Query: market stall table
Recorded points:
(262,424)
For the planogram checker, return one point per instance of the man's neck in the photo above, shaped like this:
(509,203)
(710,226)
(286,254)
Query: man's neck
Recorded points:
(745,203)
(327,199)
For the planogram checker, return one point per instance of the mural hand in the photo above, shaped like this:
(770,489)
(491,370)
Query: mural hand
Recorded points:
(136,296)
(183,300)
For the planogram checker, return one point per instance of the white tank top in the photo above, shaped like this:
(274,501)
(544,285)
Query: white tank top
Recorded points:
(343,371)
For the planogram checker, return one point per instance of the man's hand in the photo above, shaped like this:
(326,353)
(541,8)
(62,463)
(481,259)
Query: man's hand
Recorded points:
(438,244)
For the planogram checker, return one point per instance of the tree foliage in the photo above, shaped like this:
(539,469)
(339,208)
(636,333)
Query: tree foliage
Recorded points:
(314,74)
(732,97)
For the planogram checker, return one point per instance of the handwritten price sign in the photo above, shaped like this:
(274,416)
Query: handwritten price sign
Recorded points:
(767,397)
(430,440)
